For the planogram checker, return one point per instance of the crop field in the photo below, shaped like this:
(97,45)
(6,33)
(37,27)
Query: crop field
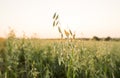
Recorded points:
(59,38)
(35,58)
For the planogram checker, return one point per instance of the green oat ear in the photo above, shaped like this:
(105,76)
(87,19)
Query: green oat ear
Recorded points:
(70,32)
(57,17)
(57,23)
(59,29)
(53,23)
(54,15)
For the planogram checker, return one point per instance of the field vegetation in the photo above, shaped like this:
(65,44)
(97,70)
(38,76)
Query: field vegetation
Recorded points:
(35,58)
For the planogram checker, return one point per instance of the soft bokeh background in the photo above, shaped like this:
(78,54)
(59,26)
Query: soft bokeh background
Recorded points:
(84,17)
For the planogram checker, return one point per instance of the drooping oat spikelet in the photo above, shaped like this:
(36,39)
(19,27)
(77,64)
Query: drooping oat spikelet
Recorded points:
(54,15)
(57,22)
(66,33)
(53,23)
(70,32)
(59,29)
(55,19)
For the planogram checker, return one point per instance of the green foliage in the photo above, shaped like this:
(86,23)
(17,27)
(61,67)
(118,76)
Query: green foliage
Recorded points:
(28,58)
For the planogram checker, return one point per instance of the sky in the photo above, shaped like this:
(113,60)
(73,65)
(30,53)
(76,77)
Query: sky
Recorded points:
(86,18)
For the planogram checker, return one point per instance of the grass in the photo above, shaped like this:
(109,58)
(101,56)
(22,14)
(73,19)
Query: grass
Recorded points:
(34,58)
